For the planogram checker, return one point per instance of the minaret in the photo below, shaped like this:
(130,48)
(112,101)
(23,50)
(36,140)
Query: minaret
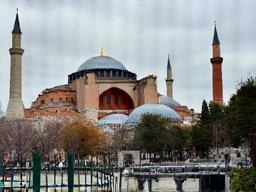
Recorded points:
(216,61)
(169,80)
(15,108)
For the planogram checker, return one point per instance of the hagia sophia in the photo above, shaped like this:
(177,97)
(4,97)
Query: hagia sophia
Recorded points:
(104,90)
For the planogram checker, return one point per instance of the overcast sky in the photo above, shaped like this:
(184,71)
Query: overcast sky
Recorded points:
(59,35)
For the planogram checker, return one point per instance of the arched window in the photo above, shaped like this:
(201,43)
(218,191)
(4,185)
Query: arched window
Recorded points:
(115,99)
(42,102)
(108,98)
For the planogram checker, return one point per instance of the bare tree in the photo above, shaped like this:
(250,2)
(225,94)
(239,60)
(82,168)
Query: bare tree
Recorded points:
(4,136)
(16,138)
(48,139)
(20,138)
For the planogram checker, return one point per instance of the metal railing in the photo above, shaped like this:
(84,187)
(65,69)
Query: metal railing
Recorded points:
(53,178)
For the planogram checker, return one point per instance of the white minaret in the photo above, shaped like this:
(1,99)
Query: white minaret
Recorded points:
(15,108)
(169,80)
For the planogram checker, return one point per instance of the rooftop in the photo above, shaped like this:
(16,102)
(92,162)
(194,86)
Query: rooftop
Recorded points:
(58,88)
(168,102)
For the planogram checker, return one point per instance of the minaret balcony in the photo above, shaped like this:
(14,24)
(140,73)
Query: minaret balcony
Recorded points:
(18,51)
(216,60)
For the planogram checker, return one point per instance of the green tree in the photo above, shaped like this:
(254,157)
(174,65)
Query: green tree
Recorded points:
(205,116)
(201,139)
(243,180)
(188,139)
(241,116)
(176,138)
(150,134)
(155,134)
(216,124)
(201,132)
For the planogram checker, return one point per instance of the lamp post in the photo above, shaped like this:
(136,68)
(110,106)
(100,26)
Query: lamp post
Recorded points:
(246,153)
(227,158)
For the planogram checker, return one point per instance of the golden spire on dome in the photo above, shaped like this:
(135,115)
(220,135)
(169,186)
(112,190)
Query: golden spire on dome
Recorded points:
(102,53)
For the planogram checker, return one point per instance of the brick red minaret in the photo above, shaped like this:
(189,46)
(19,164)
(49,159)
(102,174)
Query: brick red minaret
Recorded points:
(216,61)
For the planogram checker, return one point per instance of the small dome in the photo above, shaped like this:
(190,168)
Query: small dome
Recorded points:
(102,62)
(155,109)
(113,119)
(168,102)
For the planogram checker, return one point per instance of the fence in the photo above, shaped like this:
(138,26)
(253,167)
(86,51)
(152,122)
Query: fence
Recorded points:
(52,178)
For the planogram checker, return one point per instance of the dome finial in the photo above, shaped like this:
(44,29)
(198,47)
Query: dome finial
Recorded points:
(102,52)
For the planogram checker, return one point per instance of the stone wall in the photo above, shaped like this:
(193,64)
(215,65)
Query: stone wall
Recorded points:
(146,91)
(55,98)
(50,111)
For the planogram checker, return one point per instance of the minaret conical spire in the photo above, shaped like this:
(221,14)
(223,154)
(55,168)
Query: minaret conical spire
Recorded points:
(215,40)
(169,79)
(168,63)
(16,27)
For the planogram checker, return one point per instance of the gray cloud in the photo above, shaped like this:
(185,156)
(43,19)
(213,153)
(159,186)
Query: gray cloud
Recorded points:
(60,35)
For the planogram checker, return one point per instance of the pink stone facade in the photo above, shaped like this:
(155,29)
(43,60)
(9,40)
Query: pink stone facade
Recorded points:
(95,97)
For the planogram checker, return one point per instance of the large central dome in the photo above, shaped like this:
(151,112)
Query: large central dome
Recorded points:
(102,62)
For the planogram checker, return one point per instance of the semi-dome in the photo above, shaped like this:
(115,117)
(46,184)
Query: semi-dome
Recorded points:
(113,119)
(168,102)
(155,109)
(102,62)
